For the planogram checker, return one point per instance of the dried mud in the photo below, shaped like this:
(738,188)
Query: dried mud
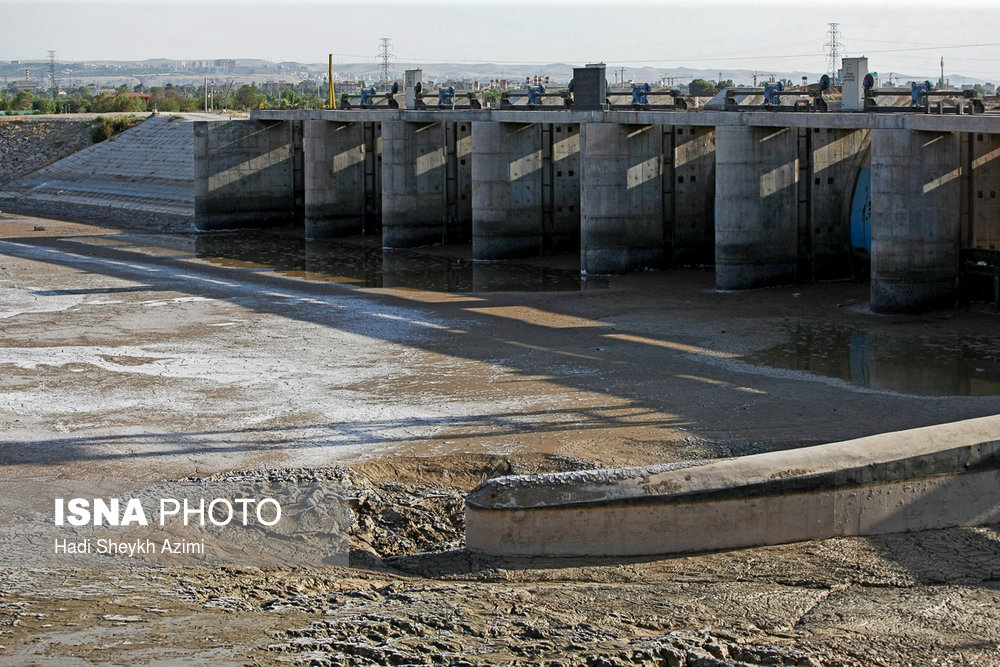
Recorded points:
(143,366)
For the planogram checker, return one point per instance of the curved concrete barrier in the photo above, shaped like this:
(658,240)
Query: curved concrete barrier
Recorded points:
(933,477)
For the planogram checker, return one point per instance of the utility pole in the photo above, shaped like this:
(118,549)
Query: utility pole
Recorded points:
(52,75)
(206,94)
(331,101)
(833,49)
(385,55)
(941,80)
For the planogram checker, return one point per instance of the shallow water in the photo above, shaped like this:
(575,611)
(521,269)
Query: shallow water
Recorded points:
(360,261)
(924,366)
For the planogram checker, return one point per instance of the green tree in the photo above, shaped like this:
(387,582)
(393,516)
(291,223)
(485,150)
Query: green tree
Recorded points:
(702,88)
(22,101)
(725,83)
(44,105)
(246,97)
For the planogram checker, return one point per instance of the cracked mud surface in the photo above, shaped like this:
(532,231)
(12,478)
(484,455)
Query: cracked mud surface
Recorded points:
(142,364)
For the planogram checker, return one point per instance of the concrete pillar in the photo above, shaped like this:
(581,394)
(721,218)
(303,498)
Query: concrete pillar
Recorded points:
(247,174)
(915,219)
(621,196)
(756,201)
(334,155)
(692,221)
(414,184)
(507,202)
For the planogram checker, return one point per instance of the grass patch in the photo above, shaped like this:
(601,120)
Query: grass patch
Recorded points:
(105,128)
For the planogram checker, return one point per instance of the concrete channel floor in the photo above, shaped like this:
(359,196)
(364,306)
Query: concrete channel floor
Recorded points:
(142,363)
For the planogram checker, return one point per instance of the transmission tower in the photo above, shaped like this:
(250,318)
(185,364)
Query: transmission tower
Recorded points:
(833,49)
(385,55)
(52,75)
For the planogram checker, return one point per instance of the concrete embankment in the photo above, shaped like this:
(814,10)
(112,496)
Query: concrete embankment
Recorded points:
(144,177)
(933,477)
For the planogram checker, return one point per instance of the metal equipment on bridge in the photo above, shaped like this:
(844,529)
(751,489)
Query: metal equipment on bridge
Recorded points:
(805,99)
(536,97)
(370,98)
(921,95)
(446,98)
(640,95)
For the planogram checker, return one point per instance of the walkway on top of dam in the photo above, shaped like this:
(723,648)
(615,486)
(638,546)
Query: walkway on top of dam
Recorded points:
(898,120)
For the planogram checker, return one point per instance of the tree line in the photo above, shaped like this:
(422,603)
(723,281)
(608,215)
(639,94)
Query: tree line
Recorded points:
(169,98)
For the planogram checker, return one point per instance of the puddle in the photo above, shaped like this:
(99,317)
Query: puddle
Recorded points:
(360,261)
(924,366)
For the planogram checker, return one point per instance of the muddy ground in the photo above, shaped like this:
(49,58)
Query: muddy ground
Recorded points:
(126,356)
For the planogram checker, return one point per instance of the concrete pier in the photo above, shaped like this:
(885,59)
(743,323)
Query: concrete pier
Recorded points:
(426,182)
(525,189)
(621,197)
(756,206)
(915,220)
(334,155)
(920,479)
(506,190)
(248,174)
(647,197)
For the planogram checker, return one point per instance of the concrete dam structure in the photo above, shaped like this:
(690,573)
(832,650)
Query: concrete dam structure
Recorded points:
(767,197)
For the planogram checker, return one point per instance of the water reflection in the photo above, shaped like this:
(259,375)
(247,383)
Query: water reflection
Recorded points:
(924,366)
(361,262)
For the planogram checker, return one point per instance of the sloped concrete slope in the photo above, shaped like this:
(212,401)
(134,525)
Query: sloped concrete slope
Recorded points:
(145,171)
(932,477)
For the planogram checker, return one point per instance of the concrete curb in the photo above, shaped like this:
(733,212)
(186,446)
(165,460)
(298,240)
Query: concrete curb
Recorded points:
(924,478)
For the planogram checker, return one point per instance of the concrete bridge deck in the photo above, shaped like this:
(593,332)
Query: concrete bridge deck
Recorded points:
(768,198)
(843,120)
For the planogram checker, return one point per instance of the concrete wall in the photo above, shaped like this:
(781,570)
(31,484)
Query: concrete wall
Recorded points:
(981,222)
(458,194)
(756,206)
(334,155)
(783,198)
(563,214)
(621,198)
(506,190)
(920,479)
(248,173)
(426,183)
(692,227)
(915,219)
(837,157)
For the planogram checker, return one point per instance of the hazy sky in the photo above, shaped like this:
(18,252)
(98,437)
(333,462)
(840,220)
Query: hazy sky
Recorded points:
(896,36)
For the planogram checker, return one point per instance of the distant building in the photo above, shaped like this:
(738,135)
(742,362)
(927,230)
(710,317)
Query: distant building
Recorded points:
(18,86)
(219,66)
